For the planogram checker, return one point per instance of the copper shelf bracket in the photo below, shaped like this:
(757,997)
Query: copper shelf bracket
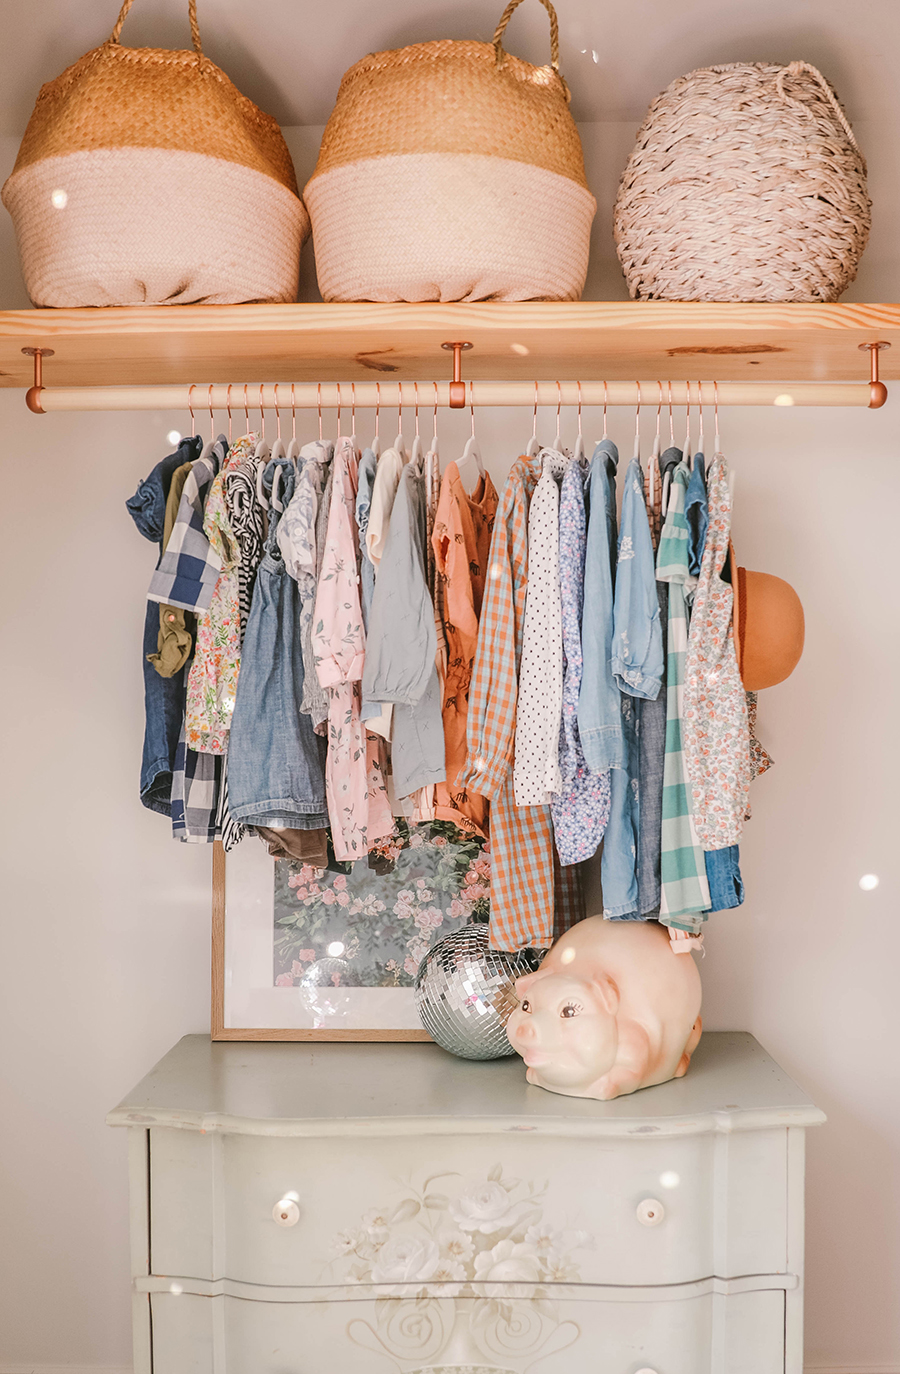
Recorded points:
(457,386)
(878,392)
(33,394)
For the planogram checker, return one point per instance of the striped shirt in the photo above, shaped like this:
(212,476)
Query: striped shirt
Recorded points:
(685,891)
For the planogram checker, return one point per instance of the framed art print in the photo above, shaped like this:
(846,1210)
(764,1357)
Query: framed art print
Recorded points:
(303,953)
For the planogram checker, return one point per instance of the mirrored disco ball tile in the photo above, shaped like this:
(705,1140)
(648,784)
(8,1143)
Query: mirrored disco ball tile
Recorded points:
(466,991)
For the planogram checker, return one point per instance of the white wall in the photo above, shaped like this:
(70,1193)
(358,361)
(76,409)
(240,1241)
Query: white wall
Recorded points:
(104,958)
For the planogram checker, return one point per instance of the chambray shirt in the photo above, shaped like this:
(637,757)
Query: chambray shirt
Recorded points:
(637,650)
(599,704)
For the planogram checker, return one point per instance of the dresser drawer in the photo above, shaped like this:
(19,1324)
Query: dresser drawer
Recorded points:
(630,1210)
(739,1334)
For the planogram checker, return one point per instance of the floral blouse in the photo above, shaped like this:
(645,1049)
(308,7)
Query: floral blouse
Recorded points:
(212,681)
(353,767)
(716,728)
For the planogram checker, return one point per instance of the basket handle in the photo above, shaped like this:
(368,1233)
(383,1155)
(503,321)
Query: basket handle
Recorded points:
(192,15)
(794,69)
(554,38)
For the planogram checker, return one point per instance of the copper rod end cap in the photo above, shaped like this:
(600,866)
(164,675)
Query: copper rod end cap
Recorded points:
(33,400)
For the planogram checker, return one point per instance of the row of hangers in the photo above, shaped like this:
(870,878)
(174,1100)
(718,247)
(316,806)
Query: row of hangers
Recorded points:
(471,456)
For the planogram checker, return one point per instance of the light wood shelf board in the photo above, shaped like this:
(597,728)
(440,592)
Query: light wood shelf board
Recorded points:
(585,340)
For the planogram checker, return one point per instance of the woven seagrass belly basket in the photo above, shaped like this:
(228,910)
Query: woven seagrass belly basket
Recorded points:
(145,177)
(746,184)
(451,171)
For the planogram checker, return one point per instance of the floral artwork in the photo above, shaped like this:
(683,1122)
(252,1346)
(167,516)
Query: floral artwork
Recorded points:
(463,1267)
(354,926)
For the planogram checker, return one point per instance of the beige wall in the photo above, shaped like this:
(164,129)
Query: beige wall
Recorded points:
(104,958)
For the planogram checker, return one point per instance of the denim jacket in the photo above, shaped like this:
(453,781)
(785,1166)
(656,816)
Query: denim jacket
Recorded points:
(637,655)
(599,703)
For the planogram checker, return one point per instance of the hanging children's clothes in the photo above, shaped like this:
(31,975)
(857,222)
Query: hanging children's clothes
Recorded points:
(358,816)
(400,661)
(175,642)
(461,543)
(651,715)
(653,497)
(581,811)
(639,670)
(696,513)
(248,521)
(637,658)
(433,489)
(536,775)
(339,646)
(599,706)
(760,759)
(298,541)
(522,849)
(195,795)
(716,731)
(606,718)
(379,716)
(367,467)
(685,891)
(189,569)
(317,469)
(212,681)
(384,491)
(276,764)
(163,696)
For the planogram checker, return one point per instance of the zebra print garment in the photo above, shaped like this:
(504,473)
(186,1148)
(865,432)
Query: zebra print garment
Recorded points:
(248,521)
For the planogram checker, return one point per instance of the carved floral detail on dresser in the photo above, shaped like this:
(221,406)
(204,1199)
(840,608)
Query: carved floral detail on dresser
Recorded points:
(462,1269)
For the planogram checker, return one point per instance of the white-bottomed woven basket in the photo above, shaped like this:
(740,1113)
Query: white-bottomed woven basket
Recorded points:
(746,184)
(451,171)
(145,177)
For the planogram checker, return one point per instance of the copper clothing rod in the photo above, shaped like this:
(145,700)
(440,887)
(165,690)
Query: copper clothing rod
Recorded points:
(287,396)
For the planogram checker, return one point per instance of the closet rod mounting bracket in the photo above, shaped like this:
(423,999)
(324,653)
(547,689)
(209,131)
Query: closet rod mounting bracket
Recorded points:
(33,394)
(457,386)
(877,389)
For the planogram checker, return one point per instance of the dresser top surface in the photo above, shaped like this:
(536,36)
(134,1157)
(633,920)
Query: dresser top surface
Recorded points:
(398,1089)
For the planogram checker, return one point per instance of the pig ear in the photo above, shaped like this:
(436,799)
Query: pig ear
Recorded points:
(525,982)
(607,992)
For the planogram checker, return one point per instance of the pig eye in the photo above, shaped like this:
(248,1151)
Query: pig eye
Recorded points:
(526,1005)
(570,1009)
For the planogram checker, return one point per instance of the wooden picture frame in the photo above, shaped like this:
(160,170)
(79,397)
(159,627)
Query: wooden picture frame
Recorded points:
(249,1002)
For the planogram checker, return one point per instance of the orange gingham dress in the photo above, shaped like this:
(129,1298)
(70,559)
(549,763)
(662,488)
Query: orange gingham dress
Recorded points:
(532,899)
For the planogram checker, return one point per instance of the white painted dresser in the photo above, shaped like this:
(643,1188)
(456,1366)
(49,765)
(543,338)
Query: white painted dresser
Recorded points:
(356,1208)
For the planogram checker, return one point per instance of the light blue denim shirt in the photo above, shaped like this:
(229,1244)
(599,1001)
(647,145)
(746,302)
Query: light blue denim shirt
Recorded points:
(696,513)
(637,647)
(599,704)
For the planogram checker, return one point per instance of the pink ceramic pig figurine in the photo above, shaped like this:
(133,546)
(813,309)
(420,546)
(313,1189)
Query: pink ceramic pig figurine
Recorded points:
(611,1009)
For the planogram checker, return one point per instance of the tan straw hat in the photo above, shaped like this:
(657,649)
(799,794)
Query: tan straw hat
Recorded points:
(768,626)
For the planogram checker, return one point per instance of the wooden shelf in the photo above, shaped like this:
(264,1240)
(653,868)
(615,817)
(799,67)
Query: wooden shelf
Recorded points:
(151,345)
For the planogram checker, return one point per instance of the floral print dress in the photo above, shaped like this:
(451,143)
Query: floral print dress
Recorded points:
(358,808)
(716,727)
(212,681)
(581,811)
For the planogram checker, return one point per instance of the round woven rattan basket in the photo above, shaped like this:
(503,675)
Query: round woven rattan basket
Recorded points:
(746,184)
(146,177)
(451,171)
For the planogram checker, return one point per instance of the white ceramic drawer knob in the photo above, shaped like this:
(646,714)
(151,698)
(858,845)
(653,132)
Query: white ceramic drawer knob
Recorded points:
(648,1370)
(286,1212)
(650,1213)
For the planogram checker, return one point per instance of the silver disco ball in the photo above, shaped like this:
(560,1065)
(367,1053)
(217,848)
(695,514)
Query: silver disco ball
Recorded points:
(466,991)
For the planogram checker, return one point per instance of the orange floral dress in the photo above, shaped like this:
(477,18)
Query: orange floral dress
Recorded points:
(461,541)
